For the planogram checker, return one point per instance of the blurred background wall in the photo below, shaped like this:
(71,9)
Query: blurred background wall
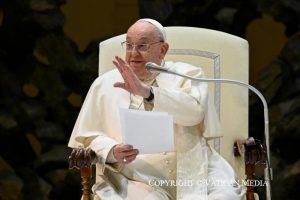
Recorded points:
(48,59)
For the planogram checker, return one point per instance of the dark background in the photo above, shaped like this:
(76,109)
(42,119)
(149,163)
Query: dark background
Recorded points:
(47,66)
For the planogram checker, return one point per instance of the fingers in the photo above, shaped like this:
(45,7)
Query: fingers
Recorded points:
(131,83)
(120,60)
(121,70)
(121,64)
(128,159)
(122,147)
(120,85)
(124,86)
(124,153)
(124,68)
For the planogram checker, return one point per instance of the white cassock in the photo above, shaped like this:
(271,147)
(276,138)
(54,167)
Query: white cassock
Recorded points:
(183,174)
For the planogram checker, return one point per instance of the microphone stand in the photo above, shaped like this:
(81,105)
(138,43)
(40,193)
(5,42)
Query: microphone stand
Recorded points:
(268,170)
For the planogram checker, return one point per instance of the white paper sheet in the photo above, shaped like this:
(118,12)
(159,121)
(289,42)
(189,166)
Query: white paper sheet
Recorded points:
(150,132)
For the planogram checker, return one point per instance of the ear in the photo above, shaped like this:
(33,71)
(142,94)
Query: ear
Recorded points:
(163,50)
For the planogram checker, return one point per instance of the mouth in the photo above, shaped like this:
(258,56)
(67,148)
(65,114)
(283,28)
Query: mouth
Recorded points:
(136,62)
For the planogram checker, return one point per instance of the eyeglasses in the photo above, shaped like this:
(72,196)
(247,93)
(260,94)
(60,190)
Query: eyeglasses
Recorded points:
(139,47)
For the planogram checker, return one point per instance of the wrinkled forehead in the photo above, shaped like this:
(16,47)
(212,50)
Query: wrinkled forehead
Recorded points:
(143,32)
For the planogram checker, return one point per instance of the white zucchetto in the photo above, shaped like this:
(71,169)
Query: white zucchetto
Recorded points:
(157,25)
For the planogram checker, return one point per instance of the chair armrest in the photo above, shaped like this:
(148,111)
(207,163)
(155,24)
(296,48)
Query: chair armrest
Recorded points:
(253,152)
(83,159)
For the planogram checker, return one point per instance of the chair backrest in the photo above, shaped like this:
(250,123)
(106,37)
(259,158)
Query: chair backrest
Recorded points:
(221,55)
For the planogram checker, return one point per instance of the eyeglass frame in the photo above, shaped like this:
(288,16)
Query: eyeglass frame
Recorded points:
(136,46)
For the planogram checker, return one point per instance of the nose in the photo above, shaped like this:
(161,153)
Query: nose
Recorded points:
(135,51)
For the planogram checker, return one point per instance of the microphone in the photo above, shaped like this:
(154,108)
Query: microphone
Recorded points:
(150,66)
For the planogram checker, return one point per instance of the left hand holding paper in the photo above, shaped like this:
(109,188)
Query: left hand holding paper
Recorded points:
(124,153)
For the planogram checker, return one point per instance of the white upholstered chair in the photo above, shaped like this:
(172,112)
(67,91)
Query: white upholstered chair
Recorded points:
(221,55)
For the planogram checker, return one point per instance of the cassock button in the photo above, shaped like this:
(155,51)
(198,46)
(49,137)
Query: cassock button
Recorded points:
(164,153)
(167,162)
(170,171)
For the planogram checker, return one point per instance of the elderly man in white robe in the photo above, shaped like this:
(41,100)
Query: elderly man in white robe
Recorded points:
(122,173)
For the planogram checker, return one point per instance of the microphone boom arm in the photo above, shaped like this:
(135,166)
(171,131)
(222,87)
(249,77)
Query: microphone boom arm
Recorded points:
(268,170)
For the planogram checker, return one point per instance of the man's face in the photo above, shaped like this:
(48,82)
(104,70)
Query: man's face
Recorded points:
(143,34)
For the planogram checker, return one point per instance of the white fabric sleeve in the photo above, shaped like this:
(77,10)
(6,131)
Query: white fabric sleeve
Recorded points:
(102,145)
(88,130)
(185,110)
(186,102)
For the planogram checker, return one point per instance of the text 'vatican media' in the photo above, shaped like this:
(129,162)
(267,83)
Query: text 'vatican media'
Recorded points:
(211,182)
